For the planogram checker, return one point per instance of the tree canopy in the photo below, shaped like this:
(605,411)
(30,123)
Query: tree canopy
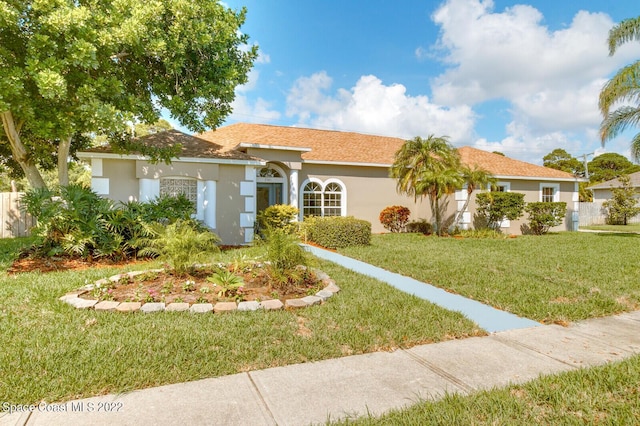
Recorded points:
(610,166)
(560,159)
(623,90)
(72,67)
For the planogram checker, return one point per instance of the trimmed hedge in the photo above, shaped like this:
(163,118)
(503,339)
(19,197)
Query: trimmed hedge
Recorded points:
(336,231)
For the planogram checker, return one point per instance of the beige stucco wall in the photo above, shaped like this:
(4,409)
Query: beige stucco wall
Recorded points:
(230,204)
(531,191)
(369,191)
(124,186)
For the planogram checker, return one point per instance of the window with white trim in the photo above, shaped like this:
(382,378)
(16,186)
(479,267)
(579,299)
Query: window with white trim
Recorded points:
(312,199)
(549,192)
(501,187)
(175,186)
(320,199)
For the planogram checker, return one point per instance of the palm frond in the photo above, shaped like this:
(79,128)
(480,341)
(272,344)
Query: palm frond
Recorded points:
(624,86)
(625,31)
(618,121)
(635,147)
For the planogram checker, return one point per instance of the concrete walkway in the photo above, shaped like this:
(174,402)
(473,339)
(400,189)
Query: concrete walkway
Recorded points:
(373,383)
(490,319)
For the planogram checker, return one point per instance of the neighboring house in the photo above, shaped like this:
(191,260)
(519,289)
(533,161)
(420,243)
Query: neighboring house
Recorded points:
(238,170)
(603,191)
(593,213)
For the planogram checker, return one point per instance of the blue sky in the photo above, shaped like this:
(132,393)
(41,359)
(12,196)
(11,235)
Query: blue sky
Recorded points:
(520,78)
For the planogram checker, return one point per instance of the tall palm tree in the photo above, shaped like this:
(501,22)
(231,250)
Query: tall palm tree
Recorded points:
(474,177)
(427,167)
(624,87)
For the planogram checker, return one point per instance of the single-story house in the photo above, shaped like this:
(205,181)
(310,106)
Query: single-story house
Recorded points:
(603,191)
(236,171)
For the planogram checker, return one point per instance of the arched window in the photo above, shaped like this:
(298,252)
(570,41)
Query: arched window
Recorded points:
(312,199)
(269,172)
(326,199)
(333,199)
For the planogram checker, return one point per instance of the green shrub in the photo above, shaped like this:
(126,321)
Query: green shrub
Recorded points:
(164,209)
(495,206)
(395,218)
(77,221)
(71,220)
(287,261)
(422,226)
(545,215)
(278,216)
(336,231)
(182,245)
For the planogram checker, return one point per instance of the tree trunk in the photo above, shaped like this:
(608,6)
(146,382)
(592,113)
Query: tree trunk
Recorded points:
(19,151)
(63,161)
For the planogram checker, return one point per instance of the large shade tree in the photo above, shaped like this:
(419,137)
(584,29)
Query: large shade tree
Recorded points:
(72,67)
(623,90)
(428,167)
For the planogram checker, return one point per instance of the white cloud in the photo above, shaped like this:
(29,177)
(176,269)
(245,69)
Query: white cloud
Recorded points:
(510,54)
(258,111)
(372,107)
(551,78)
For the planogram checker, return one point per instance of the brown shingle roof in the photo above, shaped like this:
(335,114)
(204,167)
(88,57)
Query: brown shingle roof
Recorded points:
(326,145)
(351,147)
(499,165)
(192,147)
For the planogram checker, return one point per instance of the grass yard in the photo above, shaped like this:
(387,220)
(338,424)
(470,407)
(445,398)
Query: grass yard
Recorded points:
(614,228)
(601,395)
(53,352)
(558,278)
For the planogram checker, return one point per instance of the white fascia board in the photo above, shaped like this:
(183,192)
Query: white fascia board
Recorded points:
(278,147)
(546,179)
(346,163)
(112,156)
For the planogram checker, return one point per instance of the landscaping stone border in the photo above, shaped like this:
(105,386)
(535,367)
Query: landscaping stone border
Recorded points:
(73,298)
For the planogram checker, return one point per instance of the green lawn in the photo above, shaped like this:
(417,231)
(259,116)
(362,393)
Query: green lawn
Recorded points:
(551,278)
(614,228)
(53,352)
(607,395)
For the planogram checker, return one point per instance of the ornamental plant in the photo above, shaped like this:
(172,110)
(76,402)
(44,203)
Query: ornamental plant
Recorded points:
(395,218)
(280,216)
(545,215)
(494,207)
(182,245)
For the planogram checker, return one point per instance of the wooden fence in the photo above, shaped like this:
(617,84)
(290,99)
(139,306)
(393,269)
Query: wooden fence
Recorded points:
(15,222)
(595,214)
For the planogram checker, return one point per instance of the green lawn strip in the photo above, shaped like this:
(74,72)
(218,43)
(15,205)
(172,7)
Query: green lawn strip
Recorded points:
(607,394)
(560,277)
(634,227)
(53,352)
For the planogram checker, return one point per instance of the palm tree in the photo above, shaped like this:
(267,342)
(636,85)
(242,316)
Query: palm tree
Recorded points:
(622,88)
(474,177)
(428,167)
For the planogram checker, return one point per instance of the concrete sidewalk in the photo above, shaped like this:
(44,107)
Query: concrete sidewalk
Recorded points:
(357,385)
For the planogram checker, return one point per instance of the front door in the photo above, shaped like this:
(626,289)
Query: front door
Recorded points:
(268,194)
